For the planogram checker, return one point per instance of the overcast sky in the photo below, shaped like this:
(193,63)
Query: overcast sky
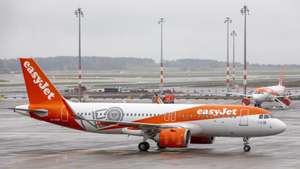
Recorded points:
(129,28)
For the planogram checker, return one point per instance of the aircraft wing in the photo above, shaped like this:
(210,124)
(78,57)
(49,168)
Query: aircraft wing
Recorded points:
(277,99)
(143,126)
(239,94)
(280,97)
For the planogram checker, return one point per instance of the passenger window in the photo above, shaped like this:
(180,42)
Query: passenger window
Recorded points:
(261,116)
(266,116)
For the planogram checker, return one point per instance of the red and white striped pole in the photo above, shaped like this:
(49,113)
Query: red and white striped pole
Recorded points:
(161,21)
(245,12)
(233,34)
(227,21)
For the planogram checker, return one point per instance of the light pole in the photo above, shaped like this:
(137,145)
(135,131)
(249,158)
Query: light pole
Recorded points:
(79,14)
(245,12)
(161,21)
(233,35)
(227,21)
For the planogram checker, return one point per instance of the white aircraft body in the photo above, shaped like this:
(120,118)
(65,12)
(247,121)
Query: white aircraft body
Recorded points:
(169,125)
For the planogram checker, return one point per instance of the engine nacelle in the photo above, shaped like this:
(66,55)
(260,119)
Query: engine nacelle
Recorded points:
(286,101)
(174,137)
(246,101)
(202,139)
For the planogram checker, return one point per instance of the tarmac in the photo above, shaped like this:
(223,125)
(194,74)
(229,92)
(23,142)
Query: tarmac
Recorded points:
(29,144)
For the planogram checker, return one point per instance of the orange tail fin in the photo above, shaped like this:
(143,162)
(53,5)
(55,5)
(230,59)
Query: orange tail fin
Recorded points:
(43,95)
(38,86)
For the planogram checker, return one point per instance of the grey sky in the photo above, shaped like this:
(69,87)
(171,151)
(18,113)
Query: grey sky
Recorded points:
(194,28)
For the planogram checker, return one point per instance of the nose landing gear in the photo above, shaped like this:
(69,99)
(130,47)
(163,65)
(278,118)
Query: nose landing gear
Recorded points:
(256,104)
(247,147)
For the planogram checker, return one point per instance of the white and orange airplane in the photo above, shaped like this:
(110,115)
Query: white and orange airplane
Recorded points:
(169,125)
(276,93)
(267,94)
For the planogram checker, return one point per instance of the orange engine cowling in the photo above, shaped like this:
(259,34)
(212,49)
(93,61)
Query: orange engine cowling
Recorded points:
(202,139)
(174,137)
(246,101)
(286,101)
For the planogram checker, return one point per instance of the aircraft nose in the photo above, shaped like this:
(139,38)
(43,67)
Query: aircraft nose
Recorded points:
(279,126)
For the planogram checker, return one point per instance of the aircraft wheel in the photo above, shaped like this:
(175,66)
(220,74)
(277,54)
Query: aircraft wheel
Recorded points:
(257,105)
(144,146)
(247,148)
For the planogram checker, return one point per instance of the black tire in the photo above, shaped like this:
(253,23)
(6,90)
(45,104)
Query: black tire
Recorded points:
(144,146)
(247,148)
(257,105)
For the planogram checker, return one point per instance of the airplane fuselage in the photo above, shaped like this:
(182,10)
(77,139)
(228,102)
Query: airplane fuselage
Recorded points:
(212,120)
(169,125)
(267,93)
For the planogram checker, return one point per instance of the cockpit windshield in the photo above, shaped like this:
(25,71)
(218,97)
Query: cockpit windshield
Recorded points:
(265,116)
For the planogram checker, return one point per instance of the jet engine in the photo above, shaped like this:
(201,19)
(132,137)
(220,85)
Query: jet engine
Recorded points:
(202,139)
(173,137)
(246,101)
(286,101)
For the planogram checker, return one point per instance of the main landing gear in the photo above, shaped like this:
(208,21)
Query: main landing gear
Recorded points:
(144,146)
(247,148)
(257,104)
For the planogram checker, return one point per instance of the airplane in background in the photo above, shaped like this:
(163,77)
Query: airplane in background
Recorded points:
(267,94)
(169,125)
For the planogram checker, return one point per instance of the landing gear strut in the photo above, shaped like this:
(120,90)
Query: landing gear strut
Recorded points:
(247,148)
(144,146)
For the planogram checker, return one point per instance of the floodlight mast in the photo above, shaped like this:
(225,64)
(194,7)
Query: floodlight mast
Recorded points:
(227,21)
(245,12)
(79,14)
(161,85)
(233,35)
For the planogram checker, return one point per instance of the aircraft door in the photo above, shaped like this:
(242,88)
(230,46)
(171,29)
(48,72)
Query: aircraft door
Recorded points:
(244,117)
(64,114)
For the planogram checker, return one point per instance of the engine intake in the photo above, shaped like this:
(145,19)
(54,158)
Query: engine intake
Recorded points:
(286,101)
